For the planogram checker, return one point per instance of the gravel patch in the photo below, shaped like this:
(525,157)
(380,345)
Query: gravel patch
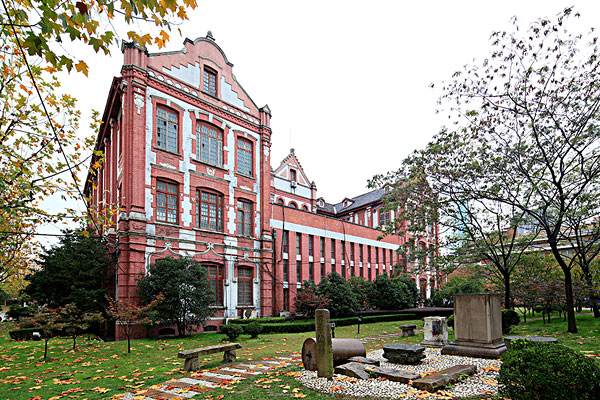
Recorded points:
(482,383)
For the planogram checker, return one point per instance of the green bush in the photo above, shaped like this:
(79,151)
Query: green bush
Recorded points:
(538,371)
(308,301)
(342,300)
(364,290)
(232,331)
(390,294)
(263,320)
(253,329)
(18,312)
(450,321)
(22,334)
(509,319)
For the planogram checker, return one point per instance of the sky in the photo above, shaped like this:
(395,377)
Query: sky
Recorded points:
(348,82)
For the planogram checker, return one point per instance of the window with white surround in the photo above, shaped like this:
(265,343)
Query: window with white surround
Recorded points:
(210,81)
(244,218)
(166,129)
(244,157)
(210,144)
(244,286)
(166,202)
(209,210)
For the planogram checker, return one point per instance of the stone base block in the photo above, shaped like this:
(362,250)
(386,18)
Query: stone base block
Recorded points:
(433,343)
(470,349)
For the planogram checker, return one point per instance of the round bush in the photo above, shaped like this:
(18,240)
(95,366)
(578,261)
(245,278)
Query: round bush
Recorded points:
(253,329)
(538,371)
(509,319)
(232,331)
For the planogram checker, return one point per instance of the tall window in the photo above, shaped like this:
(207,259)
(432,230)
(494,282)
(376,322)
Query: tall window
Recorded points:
(210,81)
(299,271)
(293,175)
(245,286)
(298,243)
(244,218)
(333,249)
(210,144)
(286,299)
(322,247)
(311,271)
(286,270)
(311,245)
(343,250)
(244,157)
(322,270)
(166,129)
(166,202)
(384,217)
(384,251)
(215,281)
(352,253)
(377,255)
(369,254)
(285,241)
(360,248)
(209,211)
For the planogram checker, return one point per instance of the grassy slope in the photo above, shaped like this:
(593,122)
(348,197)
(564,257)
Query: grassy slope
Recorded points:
(101,370)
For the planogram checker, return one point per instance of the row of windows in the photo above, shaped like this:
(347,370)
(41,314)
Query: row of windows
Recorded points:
(345,271)
(209,141)
(351,245)
(209,209)
(216,279)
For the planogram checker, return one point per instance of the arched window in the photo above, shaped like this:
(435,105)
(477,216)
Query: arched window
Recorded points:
(293,204)
(210,144)
(244,286)
(209,210)
(280,201)
(305,207)
(216,278)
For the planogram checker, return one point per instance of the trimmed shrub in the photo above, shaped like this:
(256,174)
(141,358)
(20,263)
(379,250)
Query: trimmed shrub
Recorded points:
(253,329)
(444,297)
(538,371)
(18,312)
(263,320)
(509,319)
(232,331)
(390,293)
(364,291)
(22,334)
(411,286)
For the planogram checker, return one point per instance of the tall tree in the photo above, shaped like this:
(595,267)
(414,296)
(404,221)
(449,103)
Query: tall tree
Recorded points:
(183,285)
(75,270)
(41,151)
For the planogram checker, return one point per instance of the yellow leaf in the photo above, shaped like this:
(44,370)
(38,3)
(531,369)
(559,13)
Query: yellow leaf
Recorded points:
(82,67)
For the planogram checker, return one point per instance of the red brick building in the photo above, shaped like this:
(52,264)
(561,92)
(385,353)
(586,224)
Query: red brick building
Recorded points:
(187,164)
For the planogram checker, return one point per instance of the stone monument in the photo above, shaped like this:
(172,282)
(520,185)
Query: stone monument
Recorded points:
(477,326)
(435,332)
(324,350)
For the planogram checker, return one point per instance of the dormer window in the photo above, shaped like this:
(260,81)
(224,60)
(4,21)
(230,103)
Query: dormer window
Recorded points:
(210,81)
(293,175)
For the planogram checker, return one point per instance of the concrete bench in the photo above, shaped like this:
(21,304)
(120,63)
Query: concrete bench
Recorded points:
(191,356)
(408,330)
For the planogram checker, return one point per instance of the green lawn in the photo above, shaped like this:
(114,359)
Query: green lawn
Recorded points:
(100,370)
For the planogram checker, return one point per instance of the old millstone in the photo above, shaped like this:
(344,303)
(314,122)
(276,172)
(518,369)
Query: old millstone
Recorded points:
(438,380)
(353,370)
(393,375)
(403,353)
(364,360)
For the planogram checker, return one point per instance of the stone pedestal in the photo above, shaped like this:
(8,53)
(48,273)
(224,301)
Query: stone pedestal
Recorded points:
(435,331)
(324,348)
(477,326)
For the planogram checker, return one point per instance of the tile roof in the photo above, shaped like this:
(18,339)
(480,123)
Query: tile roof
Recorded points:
(355,202)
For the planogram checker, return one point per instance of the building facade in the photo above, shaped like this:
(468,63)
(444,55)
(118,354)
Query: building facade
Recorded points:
(186,171)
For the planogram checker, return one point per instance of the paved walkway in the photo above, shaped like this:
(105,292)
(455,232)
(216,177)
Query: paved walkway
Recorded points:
(202,381)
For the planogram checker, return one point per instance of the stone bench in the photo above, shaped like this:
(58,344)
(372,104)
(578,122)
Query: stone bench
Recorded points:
(403,353)
(445,377)
(408,330)
(191,356)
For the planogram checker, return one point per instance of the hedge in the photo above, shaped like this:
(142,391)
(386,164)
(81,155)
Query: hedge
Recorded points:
(309,325)
(265,320)
(22,334)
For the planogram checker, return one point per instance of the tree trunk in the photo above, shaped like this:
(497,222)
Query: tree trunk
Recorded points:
(571,323)
(507,299)
(589,280)
(128,344)
(74,342)
(46,349)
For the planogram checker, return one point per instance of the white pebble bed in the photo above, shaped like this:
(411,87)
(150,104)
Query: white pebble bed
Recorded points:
(482,383)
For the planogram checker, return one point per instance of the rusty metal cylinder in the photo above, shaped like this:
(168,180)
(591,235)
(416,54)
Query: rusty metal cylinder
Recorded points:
(343,349)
